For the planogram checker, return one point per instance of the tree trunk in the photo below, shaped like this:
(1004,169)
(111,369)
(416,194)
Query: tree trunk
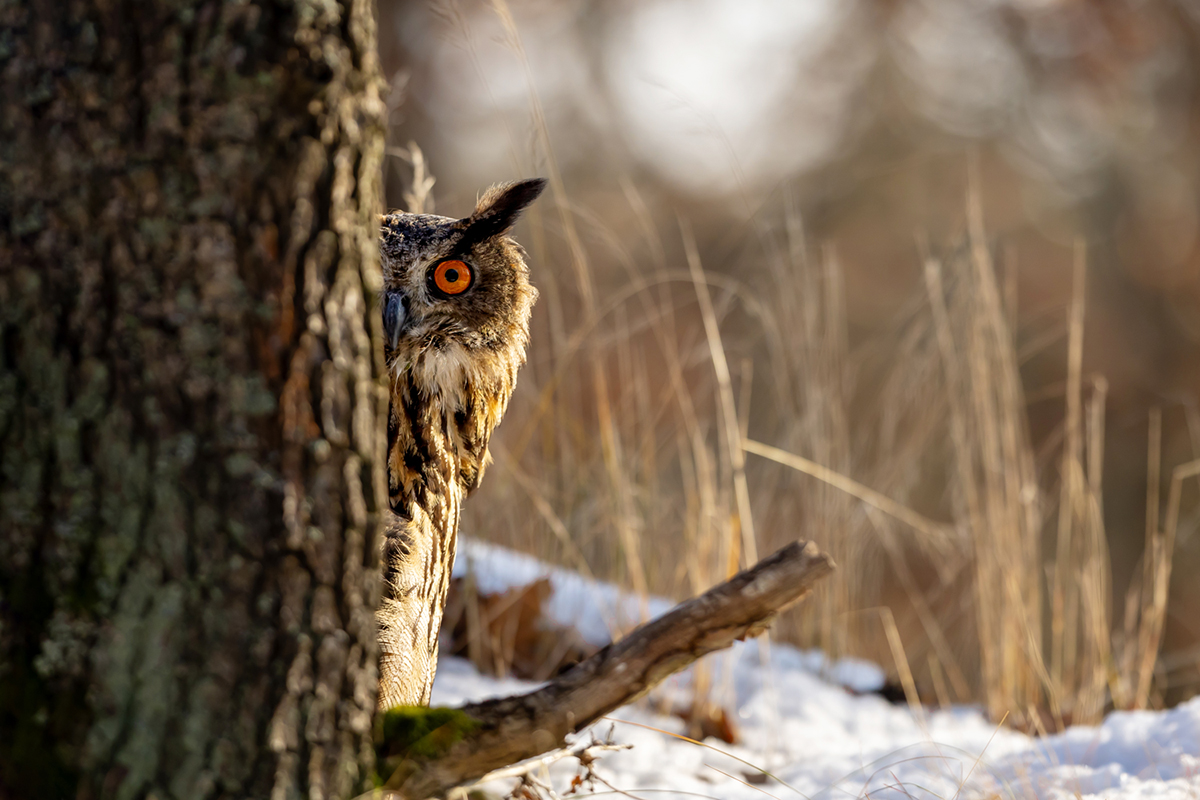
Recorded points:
(191,410)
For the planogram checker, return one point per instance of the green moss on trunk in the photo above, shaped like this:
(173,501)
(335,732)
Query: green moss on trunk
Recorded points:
(421,731)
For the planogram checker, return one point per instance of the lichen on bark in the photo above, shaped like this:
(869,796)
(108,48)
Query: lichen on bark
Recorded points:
(190,400)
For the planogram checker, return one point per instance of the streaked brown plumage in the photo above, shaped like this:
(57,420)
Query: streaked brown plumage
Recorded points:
(452,355)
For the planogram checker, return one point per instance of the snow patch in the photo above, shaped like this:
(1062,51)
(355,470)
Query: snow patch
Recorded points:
(821,741)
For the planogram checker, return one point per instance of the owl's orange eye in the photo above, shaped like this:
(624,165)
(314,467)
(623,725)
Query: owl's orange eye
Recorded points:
(452,277)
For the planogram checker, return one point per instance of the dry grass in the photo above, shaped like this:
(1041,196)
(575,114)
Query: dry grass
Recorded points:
(908,458)
(626,455)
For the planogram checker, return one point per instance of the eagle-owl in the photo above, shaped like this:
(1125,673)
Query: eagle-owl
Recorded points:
(456,305)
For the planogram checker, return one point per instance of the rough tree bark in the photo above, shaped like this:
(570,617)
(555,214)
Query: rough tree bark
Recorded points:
(190,411)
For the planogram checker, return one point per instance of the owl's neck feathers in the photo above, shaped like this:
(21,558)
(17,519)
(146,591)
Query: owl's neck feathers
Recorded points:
(443,411)
(445,405)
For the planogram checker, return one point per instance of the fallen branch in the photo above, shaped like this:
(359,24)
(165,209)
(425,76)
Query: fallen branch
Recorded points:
(496,733)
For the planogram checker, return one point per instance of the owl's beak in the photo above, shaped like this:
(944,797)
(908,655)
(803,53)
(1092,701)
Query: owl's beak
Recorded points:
(395,316)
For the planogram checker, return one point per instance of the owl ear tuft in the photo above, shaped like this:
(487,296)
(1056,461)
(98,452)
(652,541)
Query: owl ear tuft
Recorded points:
(498,209)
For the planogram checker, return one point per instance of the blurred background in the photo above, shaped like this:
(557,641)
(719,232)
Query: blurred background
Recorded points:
(942,255)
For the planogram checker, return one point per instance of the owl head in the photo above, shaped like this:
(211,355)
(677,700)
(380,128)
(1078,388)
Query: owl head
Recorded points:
(457,297)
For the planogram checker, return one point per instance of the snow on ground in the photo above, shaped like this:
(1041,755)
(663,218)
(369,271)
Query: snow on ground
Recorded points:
(800,722)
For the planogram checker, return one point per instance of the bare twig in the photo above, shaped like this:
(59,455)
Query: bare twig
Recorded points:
(586,750)
(940,534)
(418,199)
